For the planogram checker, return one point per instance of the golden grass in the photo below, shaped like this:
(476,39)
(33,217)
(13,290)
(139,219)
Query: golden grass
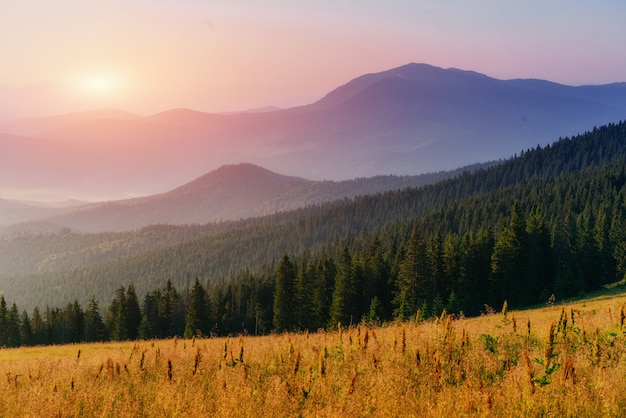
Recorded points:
(566,360)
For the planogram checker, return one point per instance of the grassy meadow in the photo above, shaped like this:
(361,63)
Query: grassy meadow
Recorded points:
(560,360)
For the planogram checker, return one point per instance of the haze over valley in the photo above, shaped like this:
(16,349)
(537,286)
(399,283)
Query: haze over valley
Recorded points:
(404,121)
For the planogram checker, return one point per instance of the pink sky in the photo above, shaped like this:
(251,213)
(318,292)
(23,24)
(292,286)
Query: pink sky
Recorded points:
(147,56)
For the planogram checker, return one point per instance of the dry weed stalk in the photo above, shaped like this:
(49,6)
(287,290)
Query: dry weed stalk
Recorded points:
(169,370)
(352,383)
(296,365)
(306,388)
(569,371)
(562,326)
(529,371)
(245,372)
(596,350)
(365,340)
(403,340)
(196,361)
(321,362)
(141,360)
(548,351)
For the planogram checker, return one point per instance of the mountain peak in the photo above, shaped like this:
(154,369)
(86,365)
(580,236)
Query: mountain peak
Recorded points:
(242,176)
(412,72)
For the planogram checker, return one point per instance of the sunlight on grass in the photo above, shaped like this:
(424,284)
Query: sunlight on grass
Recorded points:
(560,360)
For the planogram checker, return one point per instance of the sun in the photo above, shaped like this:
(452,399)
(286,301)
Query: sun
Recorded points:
(99,85)
(96,86)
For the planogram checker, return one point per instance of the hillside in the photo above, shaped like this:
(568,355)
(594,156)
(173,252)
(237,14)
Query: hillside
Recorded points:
(229,193)
(404,121)
(572,191)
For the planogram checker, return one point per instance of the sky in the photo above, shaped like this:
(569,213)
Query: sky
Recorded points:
(147,56)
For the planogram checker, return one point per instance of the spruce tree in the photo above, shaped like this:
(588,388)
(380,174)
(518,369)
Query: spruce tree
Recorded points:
(305,315)
(13,325)
(197,319)
(284,296)
(412,287)
(4,324)
(324,283)
(95,329)
(133,312)
(117,322)
(509,261)
(26,330)
(38,327)
(344,303)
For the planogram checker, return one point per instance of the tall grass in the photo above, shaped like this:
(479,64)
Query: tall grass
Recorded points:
(572,362)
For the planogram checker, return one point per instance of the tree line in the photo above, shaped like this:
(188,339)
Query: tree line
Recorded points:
(425,265)
(519,232)
(149,257)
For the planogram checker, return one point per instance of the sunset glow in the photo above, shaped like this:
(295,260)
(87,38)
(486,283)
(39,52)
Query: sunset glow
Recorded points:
(98,84)
(230,56)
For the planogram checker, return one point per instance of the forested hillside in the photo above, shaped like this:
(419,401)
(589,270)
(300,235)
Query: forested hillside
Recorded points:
(549,221)
(230,193)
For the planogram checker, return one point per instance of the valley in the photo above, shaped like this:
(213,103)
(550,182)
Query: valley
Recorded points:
(403,121)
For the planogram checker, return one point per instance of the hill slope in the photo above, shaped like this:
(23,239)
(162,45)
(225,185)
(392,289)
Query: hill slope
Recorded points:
(229,193)
(574,187)
(405,121)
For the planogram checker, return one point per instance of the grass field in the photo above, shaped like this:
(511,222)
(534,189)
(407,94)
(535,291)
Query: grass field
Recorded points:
(561,360)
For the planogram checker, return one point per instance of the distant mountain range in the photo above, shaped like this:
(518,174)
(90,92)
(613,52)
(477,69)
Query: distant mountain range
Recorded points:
(408,120)
(229,193)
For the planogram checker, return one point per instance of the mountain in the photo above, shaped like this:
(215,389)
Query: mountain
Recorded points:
(229,193)
(405,121)
(572,193)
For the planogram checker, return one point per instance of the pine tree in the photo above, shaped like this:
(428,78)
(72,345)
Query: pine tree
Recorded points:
(324,283)
(38,327)
(617,235)
(174,313)
(412,284)
(133,312)
(539,268)
(305,315)
(73,323)
(95,330)
(145,329)
(509,260)
(26,330)
(474,271)
(374,312)
(284,296)
(343,306)
(4,323)
(117,321)
(377,273)
(13,327)
(436,272)
(197,320)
